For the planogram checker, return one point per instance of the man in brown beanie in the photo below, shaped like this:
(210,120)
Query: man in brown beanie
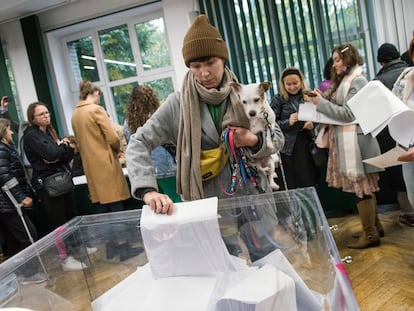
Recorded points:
(193,120)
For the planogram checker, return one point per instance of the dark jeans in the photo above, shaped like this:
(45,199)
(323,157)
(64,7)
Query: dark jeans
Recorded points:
(112,233)
(58,211)
(16,237)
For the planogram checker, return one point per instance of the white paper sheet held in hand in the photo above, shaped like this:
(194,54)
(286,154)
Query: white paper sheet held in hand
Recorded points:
(375,107)
(387,159)
(188,242)
(307,112)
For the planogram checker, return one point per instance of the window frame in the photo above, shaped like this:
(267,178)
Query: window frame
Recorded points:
(91,29)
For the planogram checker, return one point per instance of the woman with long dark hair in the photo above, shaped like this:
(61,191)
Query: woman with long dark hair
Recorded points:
(49,155)
(348,145)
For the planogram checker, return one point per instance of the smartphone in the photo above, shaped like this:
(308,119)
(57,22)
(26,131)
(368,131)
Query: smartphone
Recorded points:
(309,93)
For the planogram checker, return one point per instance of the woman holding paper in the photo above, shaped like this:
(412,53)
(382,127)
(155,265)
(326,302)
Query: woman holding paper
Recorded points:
(299,168)
(348,146)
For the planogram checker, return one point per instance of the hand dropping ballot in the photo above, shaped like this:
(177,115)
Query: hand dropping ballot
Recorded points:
(188,242)
(190,268)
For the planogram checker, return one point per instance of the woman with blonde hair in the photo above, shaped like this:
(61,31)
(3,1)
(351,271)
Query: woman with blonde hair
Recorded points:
(299,168)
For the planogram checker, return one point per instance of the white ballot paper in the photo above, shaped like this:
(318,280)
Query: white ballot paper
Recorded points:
(142,292)
(387,159)
(275,292)
(307,112)
(305,298)
(188,242)
(375,107)
(229,290)
(189,268)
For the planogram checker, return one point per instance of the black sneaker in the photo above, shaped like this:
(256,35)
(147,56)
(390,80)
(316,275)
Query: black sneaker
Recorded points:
(407,220)
(126,251)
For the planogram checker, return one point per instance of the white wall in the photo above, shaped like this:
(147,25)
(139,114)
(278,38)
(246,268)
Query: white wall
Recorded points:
(175,15)
(176,22)
(13,42)
(394,22)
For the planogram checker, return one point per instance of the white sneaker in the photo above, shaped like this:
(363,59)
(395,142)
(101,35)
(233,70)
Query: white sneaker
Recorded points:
(91,250)
(71,264)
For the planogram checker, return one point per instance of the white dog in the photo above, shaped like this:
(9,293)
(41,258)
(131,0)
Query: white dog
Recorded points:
(262,118)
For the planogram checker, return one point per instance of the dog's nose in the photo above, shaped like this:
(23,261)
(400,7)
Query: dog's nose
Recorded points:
(252,113)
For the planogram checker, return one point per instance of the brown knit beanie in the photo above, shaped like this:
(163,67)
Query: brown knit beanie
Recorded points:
(203,40)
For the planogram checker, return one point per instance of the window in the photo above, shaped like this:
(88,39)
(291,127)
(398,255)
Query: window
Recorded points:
(117,53)
(119,56)
(82,59)
(153,44)
(264,36)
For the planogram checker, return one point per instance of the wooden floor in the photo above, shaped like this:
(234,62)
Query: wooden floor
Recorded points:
(382,277)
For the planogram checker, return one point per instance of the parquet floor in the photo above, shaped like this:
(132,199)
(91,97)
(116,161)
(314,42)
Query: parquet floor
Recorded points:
(382,277)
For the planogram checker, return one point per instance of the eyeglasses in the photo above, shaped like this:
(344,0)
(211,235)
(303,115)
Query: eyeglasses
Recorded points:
(43,114)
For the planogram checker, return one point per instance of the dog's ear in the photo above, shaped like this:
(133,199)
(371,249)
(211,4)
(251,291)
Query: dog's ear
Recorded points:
(236,86)
(265,85)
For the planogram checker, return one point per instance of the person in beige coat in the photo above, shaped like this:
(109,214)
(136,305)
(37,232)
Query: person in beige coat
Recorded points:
(99,146)
(119,130)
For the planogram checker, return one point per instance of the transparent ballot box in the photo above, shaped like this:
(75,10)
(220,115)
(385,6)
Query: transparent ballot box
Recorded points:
(259,252)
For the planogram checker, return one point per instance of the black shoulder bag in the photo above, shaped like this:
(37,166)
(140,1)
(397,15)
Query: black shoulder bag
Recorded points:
(58,183)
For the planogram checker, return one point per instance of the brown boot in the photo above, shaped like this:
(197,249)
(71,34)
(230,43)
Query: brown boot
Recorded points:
(378,226)
(370,236)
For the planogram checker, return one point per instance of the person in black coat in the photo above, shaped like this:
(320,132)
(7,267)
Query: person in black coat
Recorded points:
(12,176)
(48,155)
(392,66)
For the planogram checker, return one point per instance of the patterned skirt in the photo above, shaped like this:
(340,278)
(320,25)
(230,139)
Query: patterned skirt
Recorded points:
(366,185)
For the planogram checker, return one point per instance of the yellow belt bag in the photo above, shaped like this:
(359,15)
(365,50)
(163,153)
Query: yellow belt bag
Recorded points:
(212,161)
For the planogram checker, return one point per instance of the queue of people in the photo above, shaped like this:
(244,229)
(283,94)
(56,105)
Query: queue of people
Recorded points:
(193,121)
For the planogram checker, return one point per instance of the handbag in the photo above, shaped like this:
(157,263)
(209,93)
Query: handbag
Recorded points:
(58,183)
(319,155)
(318,147)
(212,162)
